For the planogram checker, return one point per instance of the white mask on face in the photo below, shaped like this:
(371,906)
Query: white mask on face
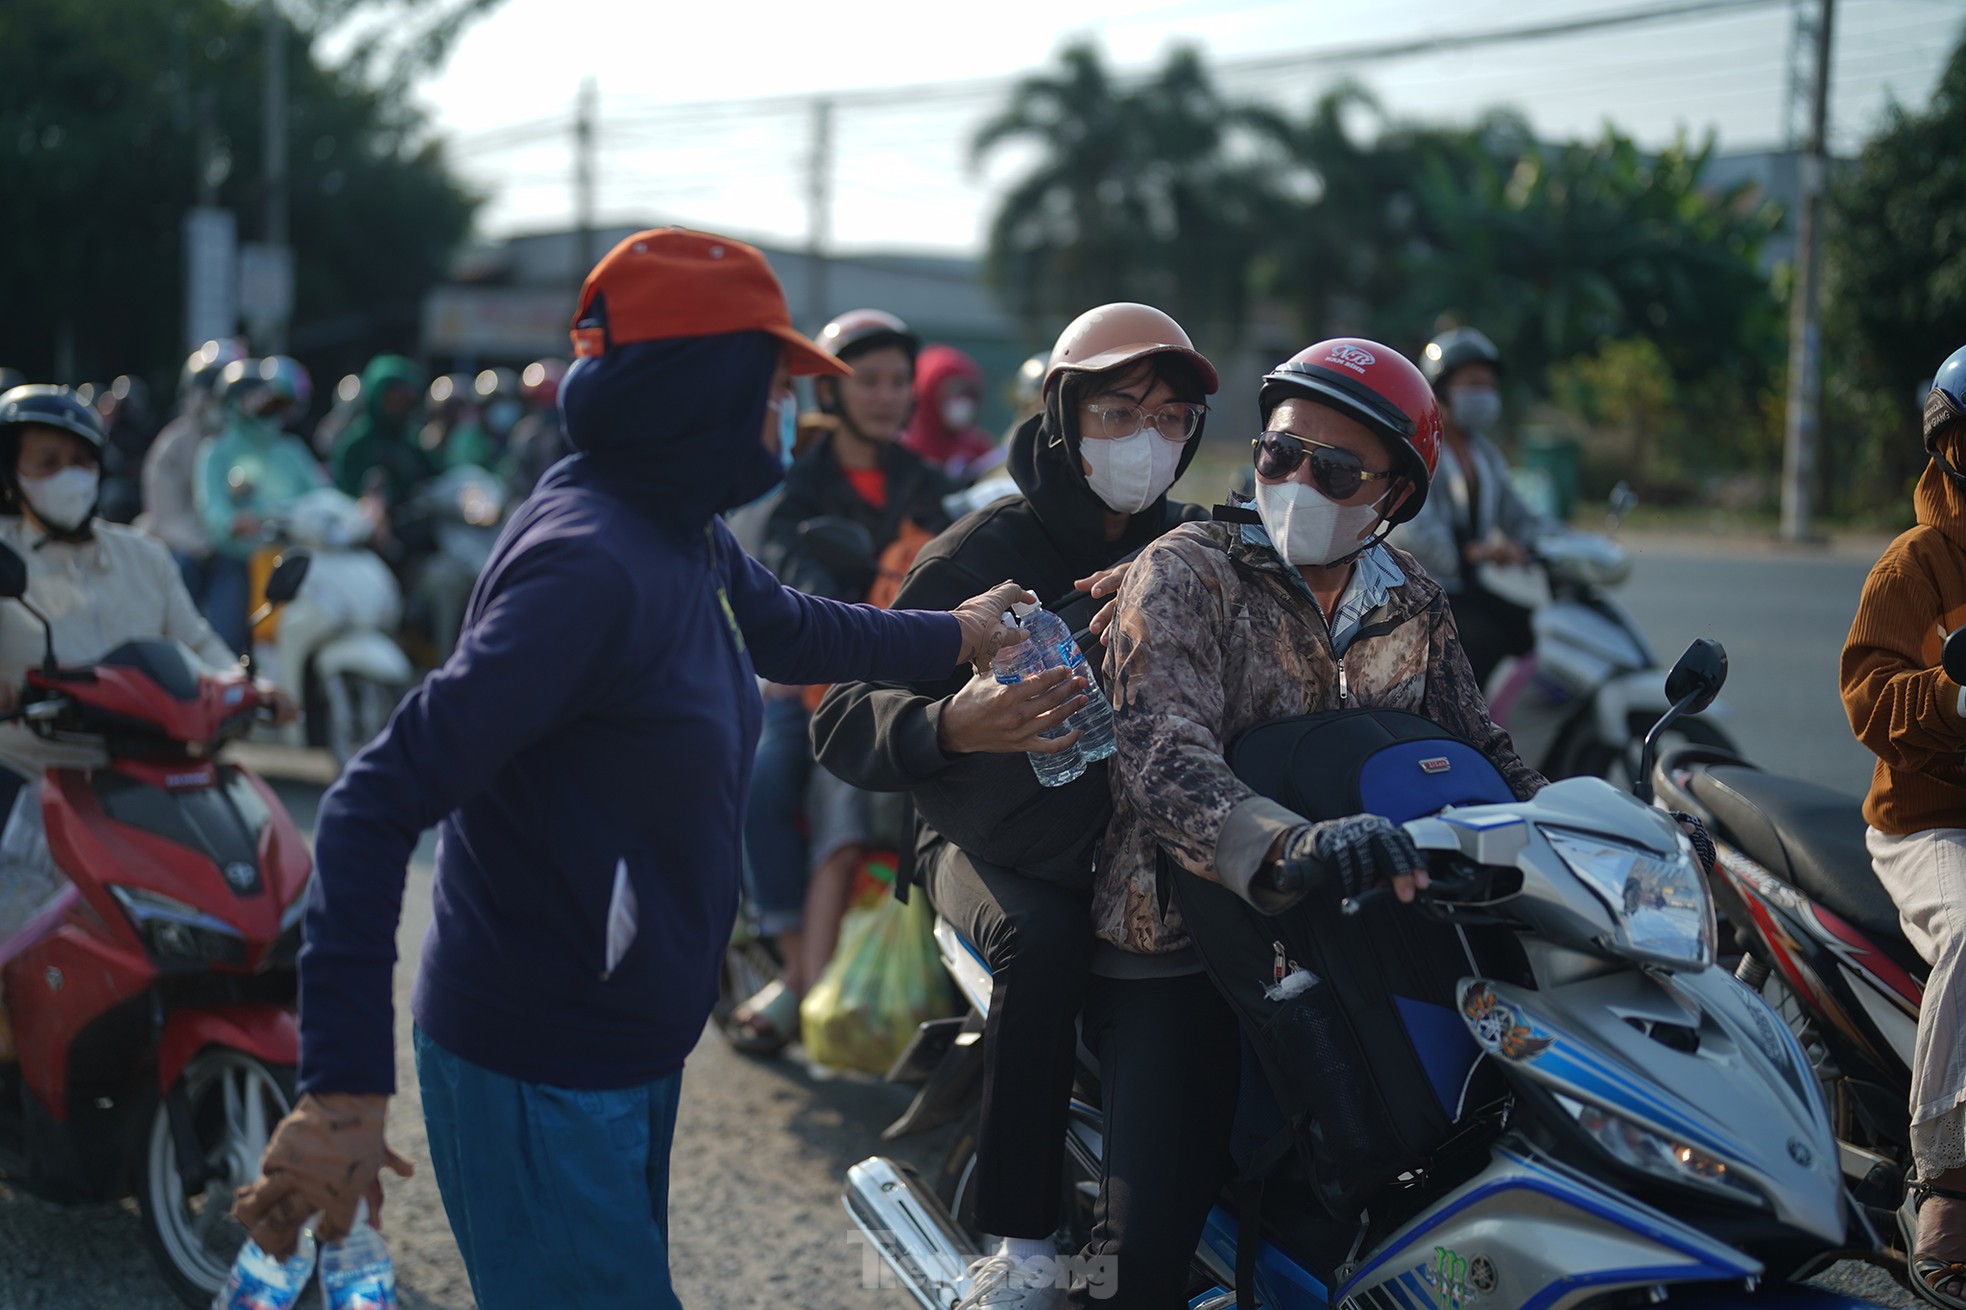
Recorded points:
(1308,528)
(959,412)
(62,500)
(1475,410)
(1131,473)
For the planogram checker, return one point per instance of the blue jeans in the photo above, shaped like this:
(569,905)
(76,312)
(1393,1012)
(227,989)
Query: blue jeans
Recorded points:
(557,1197)
(220,586)
(775,851)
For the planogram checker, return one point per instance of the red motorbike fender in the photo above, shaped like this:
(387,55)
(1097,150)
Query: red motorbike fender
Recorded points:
(268,1032)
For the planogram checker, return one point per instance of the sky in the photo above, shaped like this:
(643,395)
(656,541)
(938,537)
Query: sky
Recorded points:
(704,109)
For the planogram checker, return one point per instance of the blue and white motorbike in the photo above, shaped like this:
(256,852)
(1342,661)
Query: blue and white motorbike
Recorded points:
(1652,1131)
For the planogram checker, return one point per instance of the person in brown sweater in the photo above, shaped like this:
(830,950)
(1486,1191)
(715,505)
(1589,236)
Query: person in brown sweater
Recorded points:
(1912,716)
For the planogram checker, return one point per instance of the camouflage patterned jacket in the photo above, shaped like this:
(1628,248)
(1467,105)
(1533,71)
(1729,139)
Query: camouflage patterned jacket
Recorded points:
(1213,636)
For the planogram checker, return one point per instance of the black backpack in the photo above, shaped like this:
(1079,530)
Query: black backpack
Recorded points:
(1370,1062)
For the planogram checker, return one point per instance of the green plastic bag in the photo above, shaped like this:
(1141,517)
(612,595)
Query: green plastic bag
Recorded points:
(883,981)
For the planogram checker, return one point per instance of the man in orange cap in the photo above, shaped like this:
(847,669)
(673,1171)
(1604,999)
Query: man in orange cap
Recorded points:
(586,752)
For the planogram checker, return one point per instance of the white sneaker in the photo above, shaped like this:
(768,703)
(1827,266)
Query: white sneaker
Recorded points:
(1002,1282)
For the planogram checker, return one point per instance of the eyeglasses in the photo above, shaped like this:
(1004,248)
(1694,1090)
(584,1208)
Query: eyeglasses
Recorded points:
(1173,422)
(1337,473)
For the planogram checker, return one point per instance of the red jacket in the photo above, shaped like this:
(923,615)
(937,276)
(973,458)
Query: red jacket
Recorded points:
(929,434)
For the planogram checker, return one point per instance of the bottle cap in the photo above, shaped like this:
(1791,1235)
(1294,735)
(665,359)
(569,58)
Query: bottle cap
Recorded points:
(1024,609)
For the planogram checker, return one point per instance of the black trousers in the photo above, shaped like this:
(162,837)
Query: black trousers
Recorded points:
(1037,937)
(1169,1066)
(1490,628)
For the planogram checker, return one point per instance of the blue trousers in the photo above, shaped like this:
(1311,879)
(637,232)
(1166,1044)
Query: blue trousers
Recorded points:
(221,587)
(557,1197)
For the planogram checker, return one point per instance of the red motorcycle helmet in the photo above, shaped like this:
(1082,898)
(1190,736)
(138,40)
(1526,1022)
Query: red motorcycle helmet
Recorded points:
(1375,385)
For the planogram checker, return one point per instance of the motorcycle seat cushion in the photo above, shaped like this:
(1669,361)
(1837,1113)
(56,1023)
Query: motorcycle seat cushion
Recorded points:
(1811,838)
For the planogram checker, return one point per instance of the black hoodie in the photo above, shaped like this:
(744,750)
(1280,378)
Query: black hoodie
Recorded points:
(882,736)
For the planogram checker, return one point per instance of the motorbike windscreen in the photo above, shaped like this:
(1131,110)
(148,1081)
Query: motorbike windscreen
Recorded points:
(169,664)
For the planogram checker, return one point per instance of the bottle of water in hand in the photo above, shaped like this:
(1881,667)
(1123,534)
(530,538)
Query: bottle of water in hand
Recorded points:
(355,1272)
(1094,719)
(1015,664)
(259,1282)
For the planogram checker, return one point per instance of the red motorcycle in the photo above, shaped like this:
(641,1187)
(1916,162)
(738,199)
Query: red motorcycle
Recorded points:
(153,1005)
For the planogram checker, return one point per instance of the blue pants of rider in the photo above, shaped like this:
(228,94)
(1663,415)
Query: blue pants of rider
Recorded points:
(557,1197)
(220,586)
(775,851)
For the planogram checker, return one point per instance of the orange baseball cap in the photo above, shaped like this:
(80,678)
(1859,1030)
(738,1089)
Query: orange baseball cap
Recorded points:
(668,282)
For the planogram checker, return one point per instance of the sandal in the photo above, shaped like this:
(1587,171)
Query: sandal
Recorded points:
(769,1022)
(1929,1273)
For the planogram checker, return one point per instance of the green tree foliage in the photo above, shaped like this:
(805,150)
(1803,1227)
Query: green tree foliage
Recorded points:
(106,103)
(1352,223)
(1895,264)
(1140,194)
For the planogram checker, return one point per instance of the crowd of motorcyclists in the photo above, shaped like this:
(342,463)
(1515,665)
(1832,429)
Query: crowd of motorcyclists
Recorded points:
(1350,575)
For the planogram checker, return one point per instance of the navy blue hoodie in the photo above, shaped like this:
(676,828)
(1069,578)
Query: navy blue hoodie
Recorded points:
(586,751)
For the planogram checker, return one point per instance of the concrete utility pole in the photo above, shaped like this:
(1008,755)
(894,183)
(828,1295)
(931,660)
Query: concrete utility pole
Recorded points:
(819,213)
(276,154)
(1805,330)
(583,174)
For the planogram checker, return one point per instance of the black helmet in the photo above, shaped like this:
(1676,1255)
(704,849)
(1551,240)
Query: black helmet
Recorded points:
(1454,348)
(41,405)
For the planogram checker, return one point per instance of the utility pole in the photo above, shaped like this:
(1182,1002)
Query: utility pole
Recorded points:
(275,157)
(583,175)
(1805,330)
(819,212)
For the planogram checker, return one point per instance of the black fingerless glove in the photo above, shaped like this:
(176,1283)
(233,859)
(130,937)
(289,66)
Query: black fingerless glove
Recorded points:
(1343,857)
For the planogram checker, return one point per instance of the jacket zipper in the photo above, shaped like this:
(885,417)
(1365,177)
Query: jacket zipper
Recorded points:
(1344,688)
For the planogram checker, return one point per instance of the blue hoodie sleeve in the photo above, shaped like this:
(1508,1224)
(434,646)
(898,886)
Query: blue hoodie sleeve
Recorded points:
(547,609)
(795,638)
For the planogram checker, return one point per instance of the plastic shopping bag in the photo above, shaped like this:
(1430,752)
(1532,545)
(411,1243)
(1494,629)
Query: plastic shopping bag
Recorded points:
(884,980)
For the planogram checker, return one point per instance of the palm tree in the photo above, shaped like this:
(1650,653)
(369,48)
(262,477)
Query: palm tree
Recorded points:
(1138,195)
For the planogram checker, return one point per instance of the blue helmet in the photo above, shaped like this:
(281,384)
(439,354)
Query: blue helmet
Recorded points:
(1945,403)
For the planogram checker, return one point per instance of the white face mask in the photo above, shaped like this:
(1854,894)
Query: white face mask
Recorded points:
(959,412)
(63,500)
(1474,410)
(1308,528)
(1131,473)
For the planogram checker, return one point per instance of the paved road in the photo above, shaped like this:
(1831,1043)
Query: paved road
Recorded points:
(761,1146)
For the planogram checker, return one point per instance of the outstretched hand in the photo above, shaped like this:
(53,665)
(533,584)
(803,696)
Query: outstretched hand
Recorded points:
(983,630)
(1003,718)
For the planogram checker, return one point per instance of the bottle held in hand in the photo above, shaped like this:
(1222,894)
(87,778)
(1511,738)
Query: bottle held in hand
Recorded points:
(355,1272)
(1015,664)
(259,1282)
(1094,719)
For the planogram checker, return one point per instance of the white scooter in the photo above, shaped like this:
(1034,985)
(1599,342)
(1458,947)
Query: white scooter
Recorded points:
(1579,703)
(333,647)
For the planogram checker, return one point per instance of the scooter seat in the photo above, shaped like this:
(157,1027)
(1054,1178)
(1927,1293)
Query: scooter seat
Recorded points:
(1811,838)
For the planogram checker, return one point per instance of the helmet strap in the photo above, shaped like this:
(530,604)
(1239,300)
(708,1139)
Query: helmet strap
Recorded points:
(1946,467)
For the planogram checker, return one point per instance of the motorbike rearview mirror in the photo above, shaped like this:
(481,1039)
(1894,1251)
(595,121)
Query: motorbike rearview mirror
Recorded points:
(839,544)
(1953,656)
(1691,687)
(1623,501)
(13,586)
(13,573)
(288,573)
(1697,677)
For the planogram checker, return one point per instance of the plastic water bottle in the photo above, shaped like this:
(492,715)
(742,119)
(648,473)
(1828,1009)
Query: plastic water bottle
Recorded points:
(1026,660)
(355,1272)
(1094,720)
(259,1282)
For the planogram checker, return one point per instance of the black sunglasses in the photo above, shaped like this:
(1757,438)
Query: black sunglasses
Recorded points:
(1337,473)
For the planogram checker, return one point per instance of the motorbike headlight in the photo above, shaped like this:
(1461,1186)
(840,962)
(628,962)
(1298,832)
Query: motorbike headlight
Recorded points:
(1631,1143)
(1659,903)
(180,936)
